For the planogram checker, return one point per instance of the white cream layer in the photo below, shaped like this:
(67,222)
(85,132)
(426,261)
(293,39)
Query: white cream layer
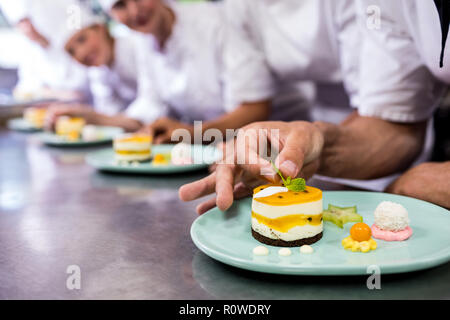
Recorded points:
(295,233)
(131,146)
(273,212)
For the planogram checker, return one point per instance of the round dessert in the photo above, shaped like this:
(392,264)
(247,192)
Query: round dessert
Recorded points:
(391,222)
(285,218)
(35,116)
(69,128)
(133,147)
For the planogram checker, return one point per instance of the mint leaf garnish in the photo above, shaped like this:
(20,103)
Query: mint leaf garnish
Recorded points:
(297,184)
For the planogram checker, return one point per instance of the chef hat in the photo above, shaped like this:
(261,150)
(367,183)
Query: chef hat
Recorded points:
(14,11)
(107,4)
(77,18)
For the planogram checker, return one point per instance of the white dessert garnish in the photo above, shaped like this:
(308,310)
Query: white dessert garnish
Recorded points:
(270,191)
(306,249)
(260,251)
(391,216)
(284,252)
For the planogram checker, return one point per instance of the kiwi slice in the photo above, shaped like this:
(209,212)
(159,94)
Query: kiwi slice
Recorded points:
(341,215)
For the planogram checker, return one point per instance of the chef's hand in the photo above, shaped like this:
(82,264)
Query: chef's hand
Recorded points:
(429,181)
(300,144)
(27,28)
(162,129)
(71,110)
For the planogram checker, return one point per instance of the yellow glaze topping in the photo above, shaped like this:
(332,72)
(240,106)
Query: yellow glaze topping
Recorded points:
(132,152)
(139,138)
(290,197)
(283,224)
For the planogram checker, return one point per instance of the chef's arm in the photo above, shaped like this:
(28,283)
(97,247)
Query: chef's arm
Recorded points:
(120,120)
(369,148)
(246,113)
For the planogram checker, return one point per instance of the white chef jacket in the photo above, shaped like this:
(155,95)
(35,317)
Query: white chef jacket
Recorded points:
(399,68)
(272,44)
(400,60)
(114,87)
(185,78)
(46,67)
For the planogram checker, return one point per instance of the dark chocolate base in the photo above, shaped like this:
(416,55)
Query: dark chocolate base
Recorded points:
(282,243)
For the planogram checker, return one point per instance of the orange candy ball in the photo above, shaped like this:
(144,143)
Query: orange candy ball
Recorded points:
(360,232)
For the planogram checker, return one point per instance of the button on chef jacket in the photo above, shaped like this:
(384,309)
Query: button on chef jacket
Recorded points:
(273,43)
(185,78)
(114,87)
(46,67)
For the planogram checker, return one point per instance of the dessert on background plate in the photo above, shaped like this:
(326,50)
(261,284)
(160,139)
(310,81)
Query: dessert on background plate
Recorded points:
(35,116)
(391,222)
(69,128)
(132,147)
(161,159)
(360,239)
(286,218)
(181,154)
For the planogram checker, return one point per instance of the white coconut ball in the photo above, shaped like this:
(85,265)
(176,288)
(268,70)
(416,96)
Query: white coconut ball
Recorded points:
(391,216)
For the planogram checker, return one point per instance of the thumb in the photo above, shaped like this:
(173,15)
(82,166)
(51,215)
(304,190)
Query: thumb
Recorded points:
(291,158)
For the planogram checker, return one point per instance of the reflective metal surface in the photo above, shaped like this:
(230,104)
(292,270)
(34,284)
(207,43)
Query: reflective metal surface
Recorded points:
(129,236)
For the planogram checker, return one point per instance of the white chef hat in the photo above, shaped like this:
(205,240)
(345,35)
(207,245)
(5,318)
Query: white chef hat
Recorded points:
(78,17)
(107,4)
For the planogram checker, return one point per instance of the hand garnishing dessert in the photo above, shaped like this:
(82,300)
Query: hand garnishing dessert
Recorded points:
(341,215)
(286,218)
(69,128)
(133,147)
(391,222)
(360,239)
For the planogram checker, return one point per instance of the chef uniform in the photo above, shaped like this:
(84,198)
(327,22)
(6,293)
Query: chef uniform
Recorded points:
(399,68)
(272,44)
(47,67)
(113,88)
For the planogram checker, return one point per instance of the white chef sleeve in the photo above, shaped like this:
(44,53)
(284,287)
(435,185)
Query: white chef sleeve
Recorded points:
(395,85)
(104,97)
(147,107)
(247,76)
(14,10)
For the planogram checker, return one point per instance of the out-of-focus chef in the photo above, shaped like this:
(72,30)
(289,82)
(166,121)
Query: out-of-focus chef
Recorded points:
(45,71)
(112,73)
(412,41)
(182,76)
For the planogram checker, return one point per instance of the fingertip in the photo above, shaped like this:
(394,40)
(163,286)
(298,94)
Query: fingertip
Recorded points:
(183,193)
(224,202)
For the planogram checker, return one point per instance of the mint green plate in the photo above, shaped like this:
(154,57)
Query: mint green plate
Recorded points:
(203,156)
(20,124)
(107,134)
(226,237)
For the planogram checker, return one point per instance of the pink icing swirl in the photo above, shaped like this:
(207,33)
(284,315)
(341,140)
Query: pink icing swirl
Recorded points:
(391,235)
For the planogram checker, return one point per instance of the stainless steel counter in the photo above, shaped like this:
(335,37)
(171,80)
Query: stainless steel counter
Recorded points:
(129,235)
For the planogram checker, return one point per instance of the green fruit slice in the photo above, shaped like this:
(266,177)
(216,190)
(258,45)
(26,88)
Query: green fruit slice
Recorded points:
(341,215)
